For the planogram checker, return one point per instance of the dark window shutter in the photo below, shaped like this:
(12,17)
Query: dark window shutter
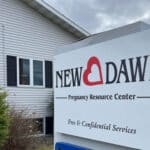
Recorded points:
(11,71)
(48,74)
(49,125)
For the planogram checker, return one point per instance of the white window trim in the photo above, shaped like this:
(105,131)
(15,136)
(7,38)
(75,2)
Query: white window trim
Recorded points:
(31,73)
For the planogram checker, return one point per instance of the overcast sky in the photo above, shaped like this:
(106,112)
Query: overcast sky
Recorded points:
(101,15)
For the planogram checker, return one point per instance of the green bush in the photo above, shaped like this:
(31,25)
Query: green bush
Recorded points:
(4,119)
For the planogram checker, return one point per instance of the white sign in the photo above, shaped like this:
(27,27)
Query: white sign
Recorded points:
(102,92)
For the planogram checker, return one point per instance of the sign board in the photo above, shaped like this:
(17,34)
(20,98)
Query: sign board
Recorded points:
(102,92)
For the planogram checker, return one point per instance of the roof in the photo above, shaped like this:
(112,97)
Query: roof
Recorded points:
(105,36)
(45,9)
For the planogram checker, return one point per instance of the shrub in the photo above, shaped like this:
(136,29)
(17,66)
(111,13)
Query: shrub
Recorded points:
(21,131)
(4,119)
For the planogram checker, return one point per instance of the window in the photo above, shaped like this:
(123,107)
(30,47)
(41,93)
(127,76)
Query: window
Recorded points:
(37,72)
(30,73)
(39,125)
(24,72)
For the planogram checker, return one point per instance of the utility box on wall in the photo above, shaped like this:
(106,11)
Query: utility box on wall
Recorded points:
(102,91)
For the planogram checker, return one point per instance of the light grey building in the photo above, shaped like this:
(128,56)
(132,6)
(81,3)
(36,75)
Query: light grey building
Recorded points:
(30,32)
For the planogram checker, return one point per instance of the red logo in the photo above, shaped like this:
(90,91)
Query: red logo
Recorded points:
(92,61)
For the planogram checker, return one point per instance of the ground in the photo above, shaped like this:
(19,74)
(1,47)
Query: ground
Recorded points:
(43,143)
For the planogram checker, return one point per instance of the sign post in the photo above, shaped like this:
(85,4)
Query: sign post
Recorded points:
(102,92)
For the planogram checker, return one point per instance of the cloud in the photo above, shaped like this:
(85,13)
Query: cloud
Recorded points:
(100,15)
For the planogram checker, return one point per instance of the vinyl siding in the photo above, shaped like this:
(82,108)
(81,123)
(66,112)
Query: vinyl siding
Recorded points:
(28,34)
(1,62)
(2,71)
